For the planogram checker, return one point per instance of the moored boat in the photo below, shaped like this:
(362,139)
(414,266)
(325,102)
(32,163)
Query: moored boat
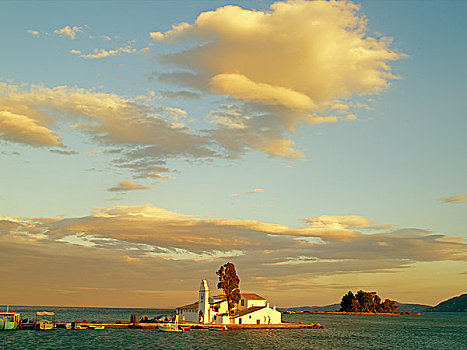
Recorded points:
(44,324)
(97,327)
(170,327)
(9,320)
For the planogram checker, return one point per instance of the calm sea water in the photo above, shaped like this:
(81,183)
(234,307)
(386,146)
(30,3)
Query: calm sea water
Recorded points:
(428,331)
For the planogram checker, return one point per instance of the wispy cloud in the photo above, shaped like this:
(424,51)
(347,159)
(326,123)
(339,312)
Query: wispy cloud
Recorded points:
(146,240)
(33,32)
(127,185)
(256,190)
(103,53)
(147,136)
(455,199)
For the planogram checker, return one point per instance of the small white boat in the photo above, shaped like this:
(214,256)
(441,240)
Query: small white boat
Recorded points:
(218,329)
(97,327)
(44,324)
(169,327)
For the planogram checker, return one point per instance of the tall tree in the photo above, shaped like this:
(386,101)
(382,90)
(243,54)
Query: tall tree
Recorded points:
(348,302)
(228,282)
(366,302)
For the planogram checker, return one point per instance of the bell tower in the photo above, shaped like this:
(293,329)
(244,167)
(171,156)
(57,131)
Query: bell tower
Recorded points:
(203,303)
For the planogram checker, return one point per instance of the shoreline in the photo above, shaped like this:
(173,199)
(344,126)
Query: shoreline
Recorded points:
(291,312)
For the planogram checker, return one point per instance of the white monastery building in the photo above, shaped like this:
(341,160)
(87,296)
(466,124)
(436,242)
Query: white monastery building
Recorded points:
(252,309)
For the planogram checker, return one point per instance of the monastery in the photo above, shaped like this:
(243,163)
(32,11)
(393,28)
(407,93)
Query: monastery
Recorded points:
(252,309)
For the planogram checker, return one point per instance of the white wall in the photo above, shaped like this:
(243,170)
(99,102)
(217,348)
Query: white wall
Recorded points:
(265,316)
(190,315)
(249,303)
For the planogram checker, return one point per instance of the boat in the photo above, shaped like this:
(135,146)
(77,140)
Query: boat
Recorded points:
(44,324)
(218,329)
(80,326)
(170,327)
(97,327)
(9,320)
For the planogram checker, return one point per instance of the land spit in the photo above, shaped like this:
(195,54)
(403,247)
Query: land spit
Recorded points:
(292,312)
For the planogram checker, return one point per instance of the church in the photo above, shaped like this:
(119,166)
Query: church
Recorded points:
(251,309)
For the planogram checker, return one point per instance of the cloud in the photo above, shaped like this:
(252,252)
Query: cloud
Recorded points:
(146,135)
(69,31)
(127,185)
(65,153)
(180,94)
(241,129)
(455,199)
(294,63)
(241,87)
(23,129)
(256,190)
(159,176)
(102,53)
(300,54)
(33,32)
(151,246)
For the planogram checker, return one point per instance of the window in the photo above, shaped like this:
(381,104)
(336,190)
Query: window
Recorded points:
(257,322)
(239,321)
(243,302)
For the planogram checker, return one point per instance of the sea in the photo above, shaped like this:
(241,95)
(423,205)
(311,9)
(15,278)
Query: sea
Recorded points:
(435,330)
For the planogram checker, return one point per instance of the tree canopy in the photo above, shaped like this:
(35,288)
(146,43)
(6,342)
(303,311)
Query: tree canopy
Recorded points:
(366,302)
(228,282)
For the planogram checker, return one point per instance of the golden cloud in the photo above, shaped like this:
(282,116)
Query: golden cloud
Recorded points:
(138,245)
(455,199)
(256,190)
(300,54)
(69,31)
(22,129)
(127,185)
(143,133)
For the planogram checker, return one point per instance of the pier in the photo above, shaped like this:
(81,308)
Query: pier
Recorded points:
(184,325)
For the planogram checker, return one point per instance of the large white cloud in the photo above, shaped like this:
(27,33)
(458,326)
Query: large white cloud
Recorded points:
(300,54)
(293,63)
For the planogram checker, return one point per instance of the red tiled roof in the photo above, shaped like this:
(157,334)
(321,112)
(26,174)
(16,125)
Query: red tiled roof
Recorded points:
(252,296)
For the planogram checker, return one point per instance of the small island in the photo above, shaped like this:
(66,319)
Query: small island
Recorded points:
(361,303)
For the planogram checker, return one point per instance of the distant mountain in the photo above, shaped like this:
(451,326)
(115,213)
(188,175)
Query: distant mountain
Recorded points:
(412,308)
(332,307)
(456,304)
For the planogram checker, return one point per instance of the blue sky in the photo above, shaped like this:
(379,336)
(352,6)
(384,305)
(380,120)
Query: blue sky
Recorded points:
(335,159)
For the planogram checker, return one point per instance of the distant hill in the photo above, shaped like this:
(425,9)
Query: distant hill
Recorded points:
(332,307)
(413,308)
(455,304)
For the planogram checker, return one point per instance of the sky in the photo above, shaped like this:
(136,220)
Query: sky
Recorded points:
(318,145)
